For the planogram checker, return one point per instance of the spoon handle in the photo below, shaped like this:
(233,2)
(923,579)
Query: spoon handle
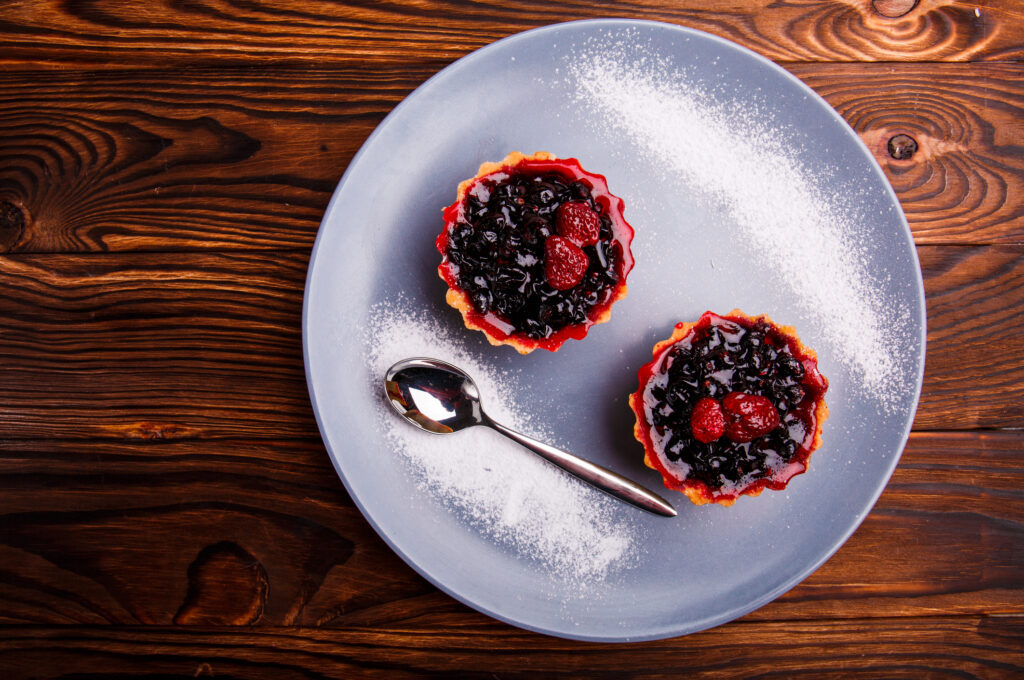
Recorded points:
(604,479)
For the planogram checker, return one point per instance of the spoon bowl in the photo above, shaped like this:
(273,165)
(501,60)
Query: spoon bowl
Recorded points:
(434,395)
(441,398)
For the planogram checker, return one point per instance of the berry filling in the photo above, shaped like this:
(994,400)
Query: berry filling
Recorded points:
(732,407)
(539,249)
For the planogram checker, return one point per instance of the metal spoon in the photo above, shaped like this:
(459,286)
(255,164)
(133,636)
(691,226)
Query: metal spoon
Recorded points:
(441,398)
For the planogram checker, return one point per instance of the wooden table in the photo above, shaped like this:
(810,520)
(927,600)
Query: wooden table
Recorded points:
(167,507)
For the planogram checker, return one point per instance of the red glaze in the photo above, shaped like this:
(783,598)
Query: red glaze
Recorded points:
(622,237)
(814,385)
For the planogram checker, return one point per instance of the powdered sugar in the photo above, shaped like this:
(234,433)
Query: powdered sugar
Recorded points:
(572,531)
(749,170)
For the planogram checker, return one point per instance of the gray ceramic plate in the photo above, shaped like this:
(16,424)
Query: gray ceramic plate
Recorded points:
(696,209)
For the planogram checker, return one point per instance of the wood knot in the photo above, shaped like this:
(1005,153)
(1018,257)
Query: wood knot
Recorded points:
(226,586)
(893,9)
(153,430)
(12,225)
(902,147)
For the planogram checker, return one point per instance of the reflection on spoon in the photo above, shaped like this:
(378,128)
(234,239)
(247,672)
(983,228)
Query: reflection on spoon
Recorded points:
(441,398)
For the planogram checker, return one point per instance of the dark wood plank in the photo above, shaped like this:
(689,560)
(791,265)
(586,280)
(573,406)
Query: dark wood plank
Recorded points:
(974,364)
(159,532)
(175,345)
(112,34)
(154,345)
(438,646)
(227,159)
(161,160)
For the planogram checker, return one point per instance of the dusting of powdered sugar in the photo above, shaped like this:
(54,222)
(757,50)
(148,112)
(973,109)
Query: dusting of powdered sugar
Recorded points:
(575,533)
(750,170)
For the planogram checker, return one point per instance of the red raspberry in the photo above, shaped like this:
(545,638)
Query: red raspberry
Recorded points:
(707,422)
(564,263)
(579,223)
(813,379)
(748,416)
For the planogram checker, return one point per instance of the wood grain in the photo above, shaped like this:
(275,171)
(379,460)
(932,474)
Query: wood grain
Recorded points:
(964,184)
(158,160)
(438,646)
(161,532)
(265,32)
(186,345)
(154,345)
(973,295)
(238,159)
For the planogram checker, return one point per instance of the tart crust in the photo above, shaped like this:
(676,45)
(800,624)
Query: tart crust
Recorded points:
(459,299)
(696,491)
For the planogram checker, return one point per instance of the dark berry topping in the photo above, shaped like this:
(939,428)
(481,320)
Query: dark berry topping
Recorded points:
(745,373)
(505,253)
(578,222)
(564,263)
(748,416)
(707,422)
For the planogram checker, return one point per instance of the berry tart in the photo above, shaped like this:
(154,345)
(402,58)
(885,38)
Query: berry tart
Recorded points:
(535,251)
(730,405)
